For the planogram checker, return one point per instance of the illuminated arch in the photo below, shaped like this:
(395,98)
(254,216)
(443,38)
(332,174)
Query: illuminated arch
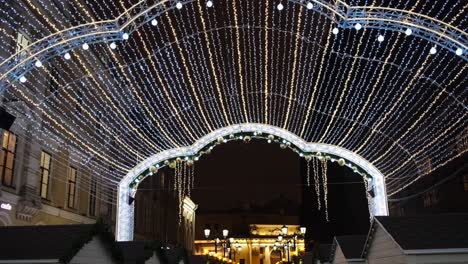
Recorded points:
(125,207)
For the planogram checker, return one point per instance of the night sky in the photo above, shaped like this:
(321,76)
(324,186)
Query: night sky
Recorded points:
(237,173)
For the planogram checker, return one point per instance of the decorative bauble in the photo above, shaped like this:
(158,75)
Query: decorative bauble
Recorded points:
(220,140)
(208,151)
(231,136)
(283,146)
(172,165)
(166,162)
(341,162)
(247,139)
(153,169)
(189,162)
(271,137)
(308,157)
(178,159)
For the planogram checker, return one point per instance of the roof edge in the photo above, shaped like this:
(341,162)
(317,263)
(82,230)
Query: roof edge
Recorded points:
(435,251)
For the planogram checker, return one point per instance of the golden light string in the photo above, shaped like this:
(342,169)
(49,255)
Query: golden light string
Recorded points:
(85,66)
(293,69)
(395,104)
(316,165)
(314,90)
(422,133)
(189,78)
(325,186)
(229,84)
(324,97)
(344,90)
(72,98)
(196,56)
(420,117)
(239,64)
(135,91)
(106,96)
(308,70)
(351,104)
(370,96)
(169,135)
(213,69)
(380,104)
(452,126)
(266,59)
(71,135)
(255,69)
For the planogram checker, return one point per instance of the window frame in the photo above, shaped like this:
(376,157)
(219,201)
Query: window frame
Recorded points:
(71,198)
(43,152)
(5,159)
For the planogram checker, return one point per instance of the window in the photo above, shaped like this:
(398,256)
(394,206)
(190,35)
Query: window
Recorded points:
(92,197)
(71,187)
(45,174)
(22,42)
(7,158)
(465,183)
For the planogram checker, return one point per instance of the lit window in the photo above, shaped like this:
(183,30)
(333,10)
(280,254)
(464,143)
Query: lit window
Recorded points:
(92,197)
(465,183)
(45,174)
(7,158)
(22,42)
(71,187)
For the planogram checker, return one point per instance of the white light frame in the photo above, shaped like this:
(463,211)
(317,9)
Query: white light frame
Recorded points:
(125,211)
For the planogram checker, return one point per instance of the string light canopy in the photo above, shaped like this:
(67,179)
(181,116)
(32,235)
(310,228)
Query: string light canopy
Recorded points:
(107,83)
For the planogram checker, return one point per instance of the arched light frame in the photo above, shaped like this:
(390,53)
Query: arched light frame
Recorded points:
(125,207)
(345,16)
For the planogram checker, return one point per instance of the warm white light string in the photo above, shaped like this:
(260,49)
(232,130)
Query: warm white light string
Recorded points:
(229,68)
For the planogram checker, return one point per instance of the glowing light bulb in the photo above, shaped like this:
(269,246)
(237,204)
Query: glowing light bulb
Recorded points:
(380,38)
(459,52)
(408,31)
(85,46)
(67,56)
(179,5)
(310,5)
(433,50)
(209,3)
(335,31)
(22,79)
(280,6)
(38,63)
(154,22)
(125,36)
(358,26)
(113,45)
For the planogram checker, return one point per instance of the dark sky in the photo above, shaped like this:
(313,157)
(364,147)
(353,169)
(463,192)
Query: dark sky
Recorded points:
(238,172)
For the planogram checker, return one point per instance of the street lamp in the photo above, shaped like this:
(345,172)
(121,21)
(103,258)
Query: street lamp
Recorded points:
(286,241)
(225,241)
(207,232)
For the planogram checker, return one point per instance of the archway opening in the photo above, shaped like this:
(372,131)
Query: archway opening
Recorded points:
(322,154)
(240,184)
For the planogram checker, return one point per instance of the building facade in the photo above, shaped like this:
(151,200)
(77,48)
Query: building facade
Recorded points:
(260,246)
